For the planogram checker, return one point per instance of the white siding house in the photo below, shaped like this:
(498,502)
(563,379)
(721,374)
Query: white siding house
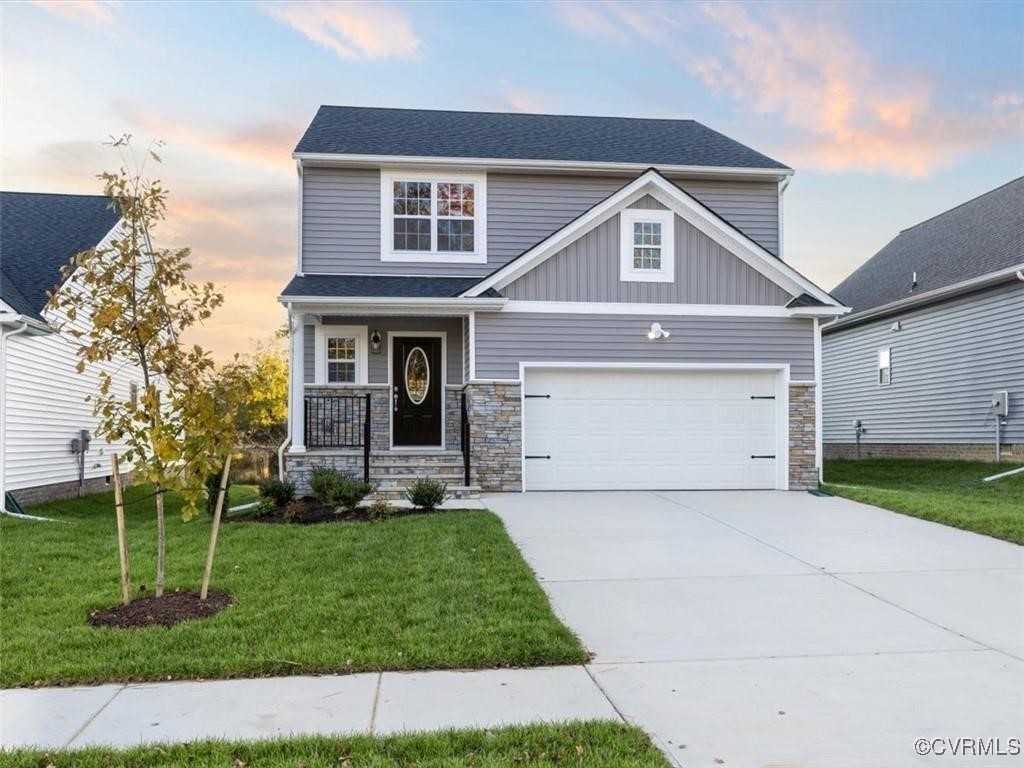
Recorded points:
(43,403)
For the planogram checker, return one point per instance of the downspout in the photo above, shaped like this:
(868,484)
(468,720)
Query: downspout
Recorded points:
(4,335)
(291,397)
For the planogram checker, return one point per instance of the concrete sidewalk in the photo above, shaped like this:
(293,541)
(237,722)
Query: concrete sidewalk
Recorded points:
(374,703)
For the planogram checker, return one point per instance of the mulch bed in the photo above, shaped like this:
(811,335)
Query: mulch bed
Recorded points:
(311,512)
(167,610)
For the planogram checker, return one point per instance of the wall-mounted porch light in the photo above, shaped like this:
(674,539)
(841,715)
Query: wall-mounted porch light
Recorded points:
(375,342)
(657,332)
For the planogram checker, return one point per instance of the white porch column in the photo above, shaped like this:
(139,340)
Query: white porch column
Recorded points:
(298,368)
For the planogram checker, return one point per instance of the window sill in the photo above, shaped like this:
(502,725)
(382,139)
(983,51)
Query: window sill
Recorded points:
(434,257)
(641,276)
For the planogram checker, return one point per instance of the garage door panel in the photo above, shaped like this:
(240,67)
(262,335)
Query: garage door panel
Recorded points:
(606,429)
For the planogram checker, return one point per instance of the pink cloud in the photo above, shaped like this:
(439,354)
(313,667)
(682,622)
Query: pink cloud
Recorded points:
(800,66)
(91,11)
(352,30)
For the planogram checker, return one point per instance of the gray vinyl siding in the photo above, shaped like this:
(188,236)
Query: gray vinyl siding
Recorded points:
(588,270)
(341,216)
(377,363)
(505,339)
(947,361)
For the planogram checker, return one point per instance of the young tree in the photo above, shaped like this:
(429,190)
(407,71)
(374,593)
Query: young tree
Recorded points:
(131,302)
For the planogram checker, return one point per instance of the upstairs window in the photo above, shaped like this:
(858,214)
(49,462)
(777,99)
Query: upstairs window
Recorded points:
(647,246)
(884,366)
(433,218)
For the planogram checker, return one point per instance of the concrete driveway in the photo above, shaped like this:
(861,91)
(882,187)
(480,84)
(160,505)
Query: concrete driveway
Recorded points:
(784,629)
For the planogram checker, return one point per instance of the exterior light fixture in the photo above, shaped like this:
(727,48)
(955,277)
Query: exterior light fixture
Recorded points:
(657,332)
(375,342)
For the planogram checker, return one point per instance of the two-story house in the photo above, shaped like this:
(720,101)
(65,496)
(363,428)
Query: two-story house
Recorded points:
(539,302)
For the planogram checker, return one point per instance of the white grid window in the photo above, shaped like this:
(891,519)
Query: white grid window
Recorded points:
(884,366)
(647,245)
(440,219)
(341,359)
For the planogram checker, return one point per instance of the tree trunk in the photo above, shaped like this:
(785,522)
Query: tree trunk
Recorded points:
(122,539)
(161,541)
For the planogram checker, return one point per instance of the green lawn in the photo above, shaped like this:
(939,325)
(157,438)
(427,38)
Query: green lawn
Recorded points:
(949,492)
(448,590)
(582,745)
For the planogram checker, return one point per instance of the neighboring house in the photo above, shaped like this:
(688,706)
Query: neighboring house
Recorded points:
(42,397)
(537,302)
(937,330)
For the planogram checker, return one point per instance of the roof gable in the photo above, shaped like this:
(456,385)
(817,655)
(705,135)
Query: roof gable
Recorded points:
(39,233)
(653,184)
(370,131)
(979,237)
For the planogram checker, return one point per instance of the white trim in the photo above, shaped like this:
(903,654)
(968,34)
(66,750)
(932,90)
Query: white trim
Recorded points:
(297,428)
(322,333)
(818,396)
(443,363)
(472,346)
(667,193)
(433,256)
(483,163)
(781,399)
(624,308)
(298,247)
(628,273)
(449,304)
(938,294)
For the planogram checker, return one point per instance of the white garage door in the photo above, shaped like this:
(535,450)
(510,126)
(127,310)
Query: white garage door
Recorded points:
(644,429)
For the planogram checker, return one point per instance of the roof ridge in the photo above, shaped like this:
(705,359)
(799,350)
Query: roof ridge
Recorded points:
(53,194)
(516,113)
(961,205)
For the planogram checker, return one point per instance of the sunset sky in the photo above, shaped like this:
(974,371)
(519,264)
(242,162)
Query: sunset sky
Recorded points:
(889,113)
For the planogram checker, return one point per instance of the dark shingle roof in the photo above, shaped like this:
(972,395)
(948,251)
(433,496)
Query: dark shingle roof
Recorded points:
(981,236)
(380,286)
(519,136)
(38,234)
(804,300)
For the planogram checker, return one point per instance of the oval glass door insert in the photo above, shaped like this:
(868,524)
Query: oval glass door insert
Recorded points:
(417,375)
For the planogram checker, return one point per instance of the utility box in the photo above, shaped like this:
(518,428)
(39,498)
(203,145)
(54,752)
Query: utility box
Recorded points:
(1001,404)
(80,444)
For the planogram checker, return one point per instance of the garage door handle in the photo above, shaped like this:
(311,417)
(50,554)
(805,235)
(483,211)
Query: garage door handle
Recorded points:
(762,397)
(538,457)
(546,397)
(762,456)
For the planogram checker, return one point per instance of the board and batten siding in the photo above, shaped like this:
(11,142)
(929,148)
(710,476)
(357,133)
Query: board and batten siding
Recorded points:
(46,408)
(504,339)
(589,270)
(947,361)
(341,210)
(377,363)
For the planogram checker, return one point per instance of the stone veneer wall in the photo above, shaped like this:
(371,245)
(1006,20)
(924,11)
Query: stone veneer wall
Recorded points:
(803,474)
(299,466)
(68,490)
(453,419)
(949,451)
(496,433)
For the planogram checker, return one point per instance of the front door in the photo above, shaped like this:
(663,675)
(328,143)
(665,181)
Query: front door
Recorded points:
(416,390)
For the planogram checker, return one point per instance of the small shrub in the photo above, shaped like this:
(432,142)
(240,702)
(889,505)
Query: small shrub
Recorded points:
(212,489)
(294,510)
(279,491)
(322,483)
(264,507)
(427,493)
(381,509)
(350,492)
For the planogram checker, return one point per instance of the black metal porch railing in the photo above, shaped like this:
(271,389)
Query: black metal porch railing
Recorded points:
(465,440)
(339,421)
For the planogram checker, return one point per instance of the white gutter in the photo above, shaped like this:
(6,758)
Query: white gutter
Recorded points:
(484,163)
(4,335)
(984,281)
(395,302)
